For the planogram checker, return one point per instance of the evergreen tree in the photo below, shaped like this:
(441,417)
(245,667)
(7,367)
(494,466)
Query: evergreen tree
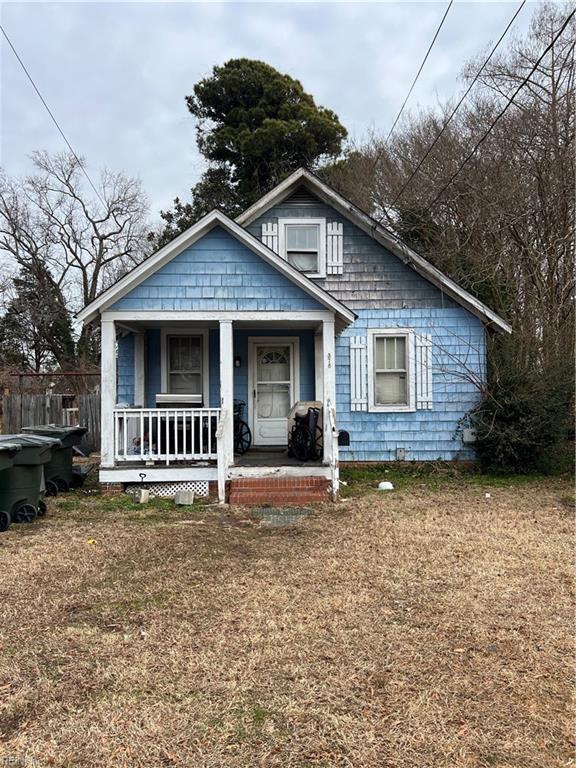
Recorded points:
(255,126)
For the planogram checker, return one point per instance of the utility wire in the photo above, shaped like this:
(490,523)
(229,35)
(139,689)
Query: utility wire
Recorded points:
(457,107)
(29,76)
(509,102)
(424,60)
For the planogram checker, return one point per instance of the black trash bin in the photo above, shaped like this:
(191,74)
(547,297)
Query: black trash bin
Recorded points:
(58,472)
(7,453)
(22,486)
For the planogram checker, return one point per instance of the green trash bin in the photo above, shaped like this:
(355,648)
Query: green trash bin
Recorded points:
(58,472)
(7,453)
(22,486)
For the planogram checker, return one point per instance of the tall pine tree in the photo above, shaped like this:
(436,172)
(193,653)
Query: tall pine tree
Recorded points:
(255,126)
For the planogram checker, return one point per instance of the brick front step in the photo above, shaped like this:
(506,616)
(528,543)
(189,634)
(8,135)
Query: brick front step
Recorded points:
(278,490)
(280,482)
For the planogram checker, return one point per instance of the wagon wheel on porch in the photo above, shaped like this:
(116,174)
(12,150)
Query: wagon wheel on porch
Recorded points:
(242,437)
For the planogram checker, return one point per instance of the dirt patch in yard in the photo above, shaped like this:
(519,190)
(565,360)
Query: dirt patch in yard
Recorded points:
(429,626)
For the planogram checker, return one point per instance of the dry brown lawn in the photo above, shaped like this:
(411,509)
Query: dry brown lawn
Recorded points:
(429,627)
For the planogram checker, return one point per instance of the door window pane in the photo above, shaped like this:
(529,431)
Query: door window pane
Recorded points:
(273,401)
(274,364)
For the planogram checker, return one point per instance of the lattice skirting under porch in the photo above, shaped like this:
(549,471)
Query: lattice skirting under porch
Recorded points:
(169,490)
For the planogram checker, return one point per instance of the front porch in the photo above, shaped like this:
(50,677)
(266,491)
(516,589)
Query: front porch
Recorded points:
(170,381)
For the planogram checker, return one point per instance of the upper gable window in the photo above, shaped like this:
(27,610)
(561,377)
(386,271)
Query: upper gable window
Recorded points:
(302,242)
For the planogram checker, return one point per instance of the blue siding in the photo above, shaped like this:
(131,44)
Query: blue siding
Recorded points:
(425,434)
(125,370)
(217,273)
(373,277)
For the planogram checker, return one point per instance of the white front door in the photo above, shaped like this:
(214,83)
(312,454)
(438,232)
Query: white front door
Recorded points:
(273,389)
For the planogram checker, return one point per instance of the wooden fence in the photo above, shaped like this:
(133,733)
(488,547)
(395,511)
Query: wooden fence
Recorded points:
(27,410)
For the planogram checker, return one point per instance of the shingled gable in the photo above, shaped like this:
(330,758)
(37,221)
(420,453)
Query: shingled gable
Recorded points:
(306,179)
(192,235)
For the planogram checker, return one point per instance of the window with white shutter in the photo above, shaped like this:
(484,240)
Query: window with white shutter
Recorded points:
(302,242)
(391,370)
(334,248)
(358,374)
(270,235)
(423,348)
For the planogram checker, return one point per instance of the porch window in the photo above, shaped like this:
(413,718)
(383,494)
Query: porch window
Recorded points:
(302,244)
(185,365)
(389,363)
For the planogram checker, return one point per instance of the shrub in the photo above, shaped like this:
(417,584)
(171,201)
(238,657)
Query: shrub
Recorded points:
(524,419)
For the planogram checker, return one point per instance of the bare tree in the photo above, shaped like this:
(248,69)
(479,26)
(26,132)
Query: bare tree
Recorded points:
(51,226)
(502,223)
(504,227)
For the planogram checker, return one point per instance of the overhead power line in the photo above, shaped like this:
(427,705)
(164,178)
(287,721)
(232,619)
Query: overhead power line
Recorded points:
(43,100)
(424,60)
(503,111)
(462,99)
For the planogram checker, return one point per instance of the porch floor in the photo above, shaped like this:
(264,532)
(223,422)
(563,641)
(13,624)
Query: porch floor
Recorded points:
(273,456)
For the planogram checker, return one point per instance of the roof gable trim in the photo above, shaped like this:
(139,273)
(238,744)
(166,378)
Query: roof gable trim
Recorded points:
(188,238)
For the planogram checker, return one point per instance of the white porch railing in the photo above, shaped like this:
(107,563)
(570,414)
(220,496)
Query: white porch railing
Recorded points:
(165,434)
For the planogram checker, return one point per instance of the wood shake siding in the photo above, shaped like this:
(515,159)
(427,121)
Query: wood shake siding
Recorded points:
(386,293)
(220,273)
(217,273)
(372,277)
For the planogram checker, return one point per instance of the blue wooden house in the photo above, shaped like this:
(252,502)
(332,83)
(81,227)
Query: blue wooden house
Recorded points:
(302,299)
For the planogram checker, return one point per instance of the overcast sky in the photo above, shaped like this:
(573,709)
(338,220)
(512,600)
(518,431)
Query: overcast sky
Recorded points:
(115,74)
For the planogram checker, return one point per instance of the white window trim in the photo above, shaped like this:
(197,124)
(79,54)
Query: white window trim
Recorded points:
(203,332)
(282,223)
(408,333)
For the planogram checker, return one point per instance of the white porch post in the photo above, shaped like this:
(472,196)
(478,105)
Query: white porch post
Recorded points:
(107,391)
(329,411)
(318,366)
(329,368)
(226,401)
(139,375)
